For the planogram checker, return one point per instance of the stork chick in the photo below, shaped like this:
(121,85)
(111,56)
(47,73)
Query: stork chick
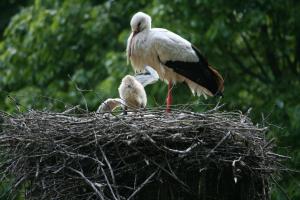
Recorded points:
(132,93)
(110,104)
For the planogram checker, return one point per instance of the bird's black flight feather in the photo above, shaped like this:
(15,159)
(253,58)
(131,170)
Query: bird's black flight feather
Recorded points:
(198,72)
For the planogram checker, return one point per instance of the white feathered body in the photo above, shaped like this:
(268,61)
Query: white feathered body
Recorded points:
(157,46)
(132,93)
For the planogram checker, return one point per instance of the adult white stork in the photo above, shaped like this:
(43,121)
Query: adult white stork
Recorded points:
(174,58)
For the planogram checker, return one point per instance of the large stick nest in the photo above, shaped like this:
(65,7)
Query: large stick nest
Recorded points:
(143,155)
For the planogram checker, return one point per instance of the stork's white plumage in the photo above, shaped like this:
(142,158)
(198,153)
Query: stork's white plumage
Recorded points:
(132,93)
(149,76)
(174,58)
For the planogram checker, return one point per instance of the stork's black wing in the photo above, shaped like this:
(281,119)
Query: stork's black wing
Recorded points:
(199,72)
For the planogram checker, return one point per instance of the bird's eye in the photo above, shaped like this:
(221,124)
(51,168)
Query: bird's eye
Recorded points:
(139,24)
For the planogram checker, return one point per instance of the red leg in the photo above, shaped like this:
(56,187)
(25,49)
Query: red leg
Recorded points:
(169,97)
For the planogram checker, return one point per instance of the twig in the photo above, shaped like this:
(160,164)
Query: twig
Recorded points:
(219,143)
(184,151)
(71,109)
(111,174)
(280,188)
(278,155)
(99,194)
(142,185)
(269,143)
(81,92)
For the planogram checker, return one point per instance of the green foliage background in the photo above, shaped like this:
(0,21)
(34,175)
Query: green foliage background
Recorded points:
(54,54)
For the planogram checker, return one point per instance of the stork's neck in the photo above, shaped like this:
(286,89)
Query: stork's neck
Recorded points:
(145,31)
(142,34)
(148,27)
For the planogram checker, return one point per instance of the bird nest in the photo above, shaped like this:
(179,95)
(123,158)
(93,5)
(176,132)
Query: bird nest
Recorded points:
(144,155)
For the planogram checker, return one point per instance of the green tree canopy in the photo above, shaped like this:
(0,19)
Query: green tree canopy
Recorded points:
(58,53)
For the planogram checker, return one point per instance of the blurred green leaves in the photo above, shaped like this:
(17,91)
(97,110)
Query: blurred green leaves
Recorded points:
(55,54)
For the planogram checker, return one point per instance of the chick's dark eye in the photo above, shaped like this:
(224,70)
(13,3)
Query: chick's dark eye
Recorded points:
(139,24)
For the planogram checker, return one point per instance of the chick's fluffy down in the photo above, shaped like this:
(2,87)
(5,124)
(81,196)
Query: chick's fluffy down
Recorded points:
(132,93)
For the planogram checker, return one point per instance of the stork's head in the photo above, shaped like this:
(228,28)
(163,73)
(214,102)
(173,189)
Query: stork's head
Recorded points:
(140,22)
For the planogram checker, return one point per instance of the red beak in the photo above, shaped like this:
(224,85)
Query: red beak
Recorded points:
(133,34)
